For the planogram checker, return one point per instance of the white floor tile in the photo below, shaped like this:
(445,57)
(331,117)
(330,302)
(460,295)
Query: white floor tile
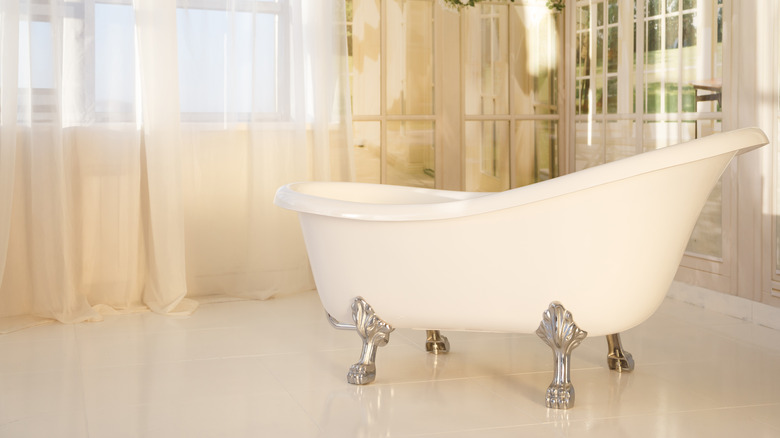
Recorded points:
(61,424)
(163,382)
(40,394)
(728,423)
(239,415)
(408,409)
(276,368)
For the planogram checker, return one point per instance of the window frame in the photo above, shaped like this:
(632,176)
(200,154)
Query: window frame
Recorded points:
(43,98)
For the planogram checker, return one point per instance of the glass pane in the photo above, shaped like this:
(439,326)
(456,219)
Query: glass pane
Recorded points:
(581,94)
(590,147)
(583,60)
(266,98)
(707,236)
(612,12)
(487,62)
(671,97)
(718,70)
(672,5)
(114,59)
(534,155)
(36,55)
(599,49)
(653,35)
(487,156)
(689,30)
(705,128)
(546,149)
(652,97)
(534,32)
(492,134)
(612,50)
(691,4)
(672,39)
(599,104)
(691,69)
(367,151)
(410,57)
(612,95)
(204,59)
(410,153)
(621,140)
(583,18)
(653,7)
(658,135)
(365,60)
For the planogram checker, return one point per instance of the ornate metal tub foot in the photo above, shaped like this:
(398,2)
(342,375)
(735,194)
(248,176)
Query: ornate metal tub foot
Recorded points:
(618,359)
(436,343)
(559,331)
(375,333)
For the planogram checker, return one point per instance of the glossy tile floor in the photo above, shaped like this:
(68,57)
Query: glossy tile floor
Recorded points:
(277,369)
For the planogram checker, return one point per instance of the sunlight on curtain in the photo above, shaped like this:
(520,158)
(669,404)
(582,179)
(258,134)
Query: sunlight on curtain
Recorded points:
(139,167)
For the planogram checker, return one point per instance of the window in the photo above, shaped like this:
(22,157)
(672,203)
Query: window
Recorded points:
(223,60)
(106,60)
(224,53)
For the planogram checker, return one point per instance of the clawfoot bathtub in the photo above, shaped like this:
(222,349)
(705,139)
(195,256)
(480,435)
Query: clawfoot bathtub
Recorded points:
(599,247)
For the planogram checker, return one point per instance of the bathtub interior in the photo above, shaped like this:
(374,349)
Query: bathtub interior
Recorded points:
(381,194)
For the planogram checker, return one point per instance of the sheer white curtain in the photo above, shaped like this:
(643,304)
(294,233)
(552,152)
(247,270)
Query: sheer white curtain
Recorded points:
(142,142)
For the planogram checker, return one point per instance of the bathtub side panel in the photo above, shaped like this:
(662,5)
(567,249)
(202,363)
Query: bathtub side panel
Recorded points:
(608,254)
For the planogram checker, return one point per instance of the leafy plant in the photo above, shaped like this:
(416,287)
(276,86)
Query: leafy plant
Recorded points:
(556,5)
(456,5)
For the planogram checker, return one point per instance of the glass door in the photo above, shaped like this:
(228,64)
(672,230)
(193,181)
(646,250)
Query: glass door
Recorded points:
(510,85)
(646,75)
(464,101)
(391,47)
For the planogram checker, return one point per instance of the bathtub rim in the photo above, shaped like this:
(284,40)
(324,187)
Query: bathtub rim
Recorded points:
(436,204)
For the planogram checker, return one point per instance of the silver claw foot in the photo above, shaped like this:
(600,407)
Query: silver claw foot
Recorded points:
(375,333)
(559,331)
(618,359)
(436,343)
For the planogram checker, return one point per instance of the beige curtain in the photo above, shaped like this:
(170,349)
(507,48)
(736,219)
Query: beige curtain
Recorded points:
(142,143)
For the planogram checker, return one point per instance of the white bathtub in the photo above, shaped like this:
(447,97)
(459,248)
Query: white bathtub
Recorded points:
(604,242)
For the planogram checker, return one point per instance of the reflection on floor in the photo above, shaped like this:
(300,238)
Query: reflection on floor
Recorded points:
(277,369)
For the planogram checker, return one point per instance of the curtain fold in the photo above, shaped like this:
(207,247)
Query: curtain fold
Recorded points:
(142,143)
(166,284)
